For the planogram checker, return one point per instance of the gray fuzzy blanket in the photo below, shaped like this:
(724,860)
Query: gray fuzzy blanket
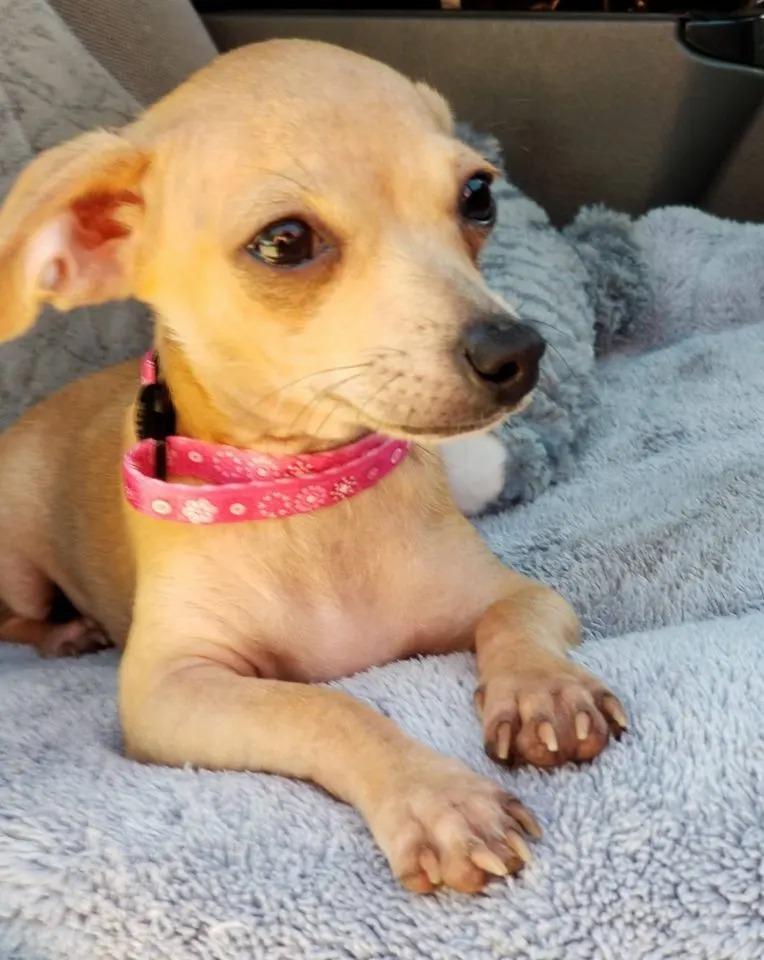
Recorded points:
(655,851)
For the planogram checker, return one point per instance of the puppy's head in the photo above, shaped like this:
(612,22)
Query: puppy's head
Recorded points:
(306,228)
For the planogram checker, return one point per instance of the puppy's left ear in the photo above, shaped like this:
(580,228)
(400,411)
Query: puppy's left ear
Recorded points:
(69,229)
(438,107)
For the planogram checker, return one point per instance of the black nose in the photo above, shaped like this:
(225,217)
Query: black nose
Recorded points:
(503,355)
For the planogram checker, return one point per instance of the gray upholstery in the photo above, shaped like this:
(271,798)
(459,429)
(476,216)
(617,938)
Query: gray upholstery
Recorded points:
(148,46)
(68,66)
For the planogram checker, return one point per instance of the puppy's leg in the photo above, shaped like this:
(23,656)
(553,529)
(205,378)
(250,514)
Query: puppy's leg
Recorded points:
(24,589)
(435,820)
(54,639)
(28,599)
(536,705)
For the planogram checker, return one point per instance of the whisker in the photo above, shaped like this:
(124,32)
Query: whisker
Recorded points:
(363,406)
(318,395)
(331,412)
(552,385)
(397,350)
(568,366)
(300,164)
(377,392)
(284,176)
(543,393)
(546,323)
(307,376)
(547,384)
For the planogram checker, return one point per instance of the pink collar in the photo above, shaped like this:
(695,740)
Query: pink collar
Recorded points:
(244,485)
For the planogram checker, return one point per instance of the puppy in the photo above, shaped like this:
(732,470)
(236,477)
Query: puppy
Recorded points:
(306,230)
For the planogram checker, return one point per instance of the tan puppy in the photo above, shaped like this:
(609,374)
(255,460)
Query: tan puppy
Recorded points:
(361,309)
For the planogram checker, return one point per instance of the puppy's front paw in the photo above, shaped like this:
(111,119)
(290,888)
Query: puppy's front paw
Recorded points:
(548,718)
(444,824)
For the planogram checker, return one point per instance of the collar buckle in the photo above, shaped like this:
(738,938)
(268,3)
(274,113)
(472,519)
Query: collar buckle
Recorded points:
(155,418)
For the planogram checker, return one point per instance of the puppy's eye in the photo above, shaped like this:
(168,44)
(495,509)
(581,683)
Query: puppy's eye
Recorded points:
(476,202)
(286,243)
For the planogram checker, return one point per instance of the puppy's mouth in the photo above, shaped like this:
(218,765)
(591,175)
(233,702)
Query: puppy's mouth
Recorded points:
(436,431)
(494,370)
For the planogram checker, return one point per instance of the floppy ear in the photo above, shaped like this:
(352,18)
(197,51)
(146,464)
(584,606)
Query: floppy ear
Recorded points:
(68,229)
(438,106)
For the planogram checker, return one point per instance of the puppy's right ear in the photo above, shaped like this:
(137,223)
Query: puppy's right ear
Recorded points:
(69,229)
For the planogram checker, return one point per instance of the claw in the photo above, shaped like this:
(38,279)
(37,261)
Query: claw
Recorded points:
(416,882)
(612,707)
(548,737)
(429,863)
(515,842)
(583,726)
(503,740)
(487,860)
(524,818)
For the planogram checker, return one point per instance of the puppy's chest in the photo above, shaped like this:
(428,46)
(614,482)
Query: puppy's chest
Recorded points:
(334,636)
(339,609)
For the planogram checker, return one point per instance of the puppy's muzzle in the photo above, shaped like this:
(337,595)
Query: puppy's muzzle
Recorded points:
(502,357)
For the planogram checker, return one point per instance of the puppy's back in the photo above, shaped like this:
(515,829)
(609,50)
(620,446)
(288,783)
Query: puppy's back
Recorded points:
(60,494)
